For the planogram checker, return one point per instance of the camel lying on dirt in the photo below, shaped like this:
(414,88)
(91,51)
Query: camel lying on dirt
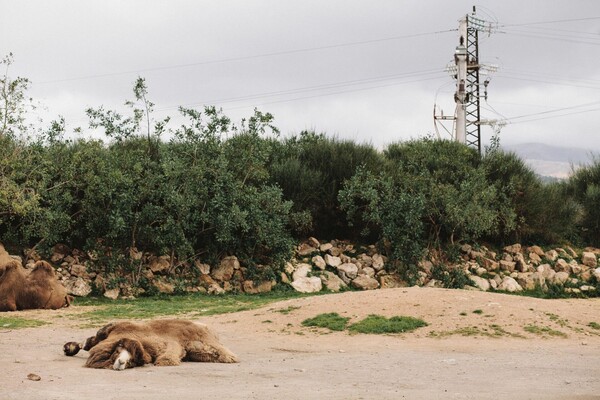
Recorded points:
(38,289)
(123,345)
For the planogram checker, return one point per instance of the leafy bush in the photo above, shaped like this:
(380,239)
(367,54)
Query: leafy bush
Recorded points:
(311,169)
(459,202)
(379,207)
(429,192)
(206,192)
(584,186)
(451,278)
(529,209)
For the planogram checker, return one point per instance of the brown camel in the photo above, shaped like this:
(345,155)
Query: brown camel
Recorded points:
(123,345)
(38,289)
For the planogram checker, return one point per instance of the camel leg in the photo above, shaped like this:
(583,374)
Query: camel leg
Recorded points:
(202,352)
(8,305)
(172,355)
(101,335)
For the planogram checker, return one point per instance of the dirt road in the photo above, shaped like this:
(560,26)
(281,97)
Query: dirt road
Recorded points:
(460,355)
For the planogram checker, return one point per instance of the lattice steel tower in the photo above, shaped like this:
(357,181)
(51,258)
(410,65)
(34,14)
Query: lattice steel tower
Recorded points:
(466,69)
(472,104)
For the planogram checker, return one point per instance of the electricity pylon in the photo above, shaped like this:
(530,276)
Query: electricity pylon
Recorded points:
(466,69)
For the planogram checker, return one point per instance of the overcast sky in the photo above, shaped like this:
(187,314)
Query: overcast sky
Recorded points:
(363,70)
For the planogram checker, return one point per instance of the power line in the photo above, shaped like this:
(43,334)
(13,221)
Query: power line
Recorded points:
(334,85)
(555,110)
(553,33)
(339,92)
(550,37)
(555,116)
(541,28)
(553,21)
(254,97)
(551,76)
(250,57)
(502,76)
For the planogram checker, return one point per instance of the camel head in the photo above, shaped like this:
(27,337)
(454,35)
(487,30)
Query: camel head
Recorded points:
(118,355)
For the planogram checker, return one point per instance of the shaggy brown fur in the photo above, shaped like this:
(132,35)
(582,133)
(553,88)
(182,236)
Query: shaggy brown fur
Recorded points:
(5,259)
(39,289)
(160,342)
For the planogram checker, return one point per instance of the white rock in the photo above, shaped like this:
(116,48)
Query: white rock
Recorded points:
(332,261)
(332,281)
(507,265)
(112,293)
(378,262)
(534,258)
(311,284)
(349,269)
(537,250)
(365,282)
(368,271)
(510,285)
(301,271)
(325,247)
(215,288)
(224,271)
(515,248)
(79,270)
(562,265)
(546,271)
(588,258)
(78,287)
(551,255)
(561,277)
(314,242)
(365,260)
(319,262)
(480,282)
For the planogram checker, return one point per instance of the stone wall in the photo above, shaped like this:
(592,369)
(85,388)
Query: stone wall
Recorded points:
(333,266)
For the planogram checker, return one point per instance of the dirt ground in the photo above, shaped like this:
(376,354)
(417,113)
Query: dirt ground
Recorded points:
(281,359)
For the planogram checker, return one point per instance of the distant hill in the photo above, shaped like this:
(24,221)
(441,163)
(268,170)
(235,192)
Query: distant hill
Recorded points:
(552,161)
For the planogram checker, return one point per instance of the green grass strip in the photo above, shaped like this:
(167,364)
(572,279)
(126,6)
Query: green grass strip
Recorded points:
(18,323)
(191,305)
(379,324)
(332,321)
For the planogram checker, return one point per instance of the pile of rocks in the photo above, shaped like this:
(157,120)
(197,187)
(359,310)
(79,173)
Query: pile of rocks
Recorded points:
(81,272)
(520,268)
(334,266)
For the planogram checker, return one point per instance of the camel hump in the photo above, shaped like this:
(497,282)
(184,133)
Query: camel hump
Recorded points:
(12,265)
(43,266)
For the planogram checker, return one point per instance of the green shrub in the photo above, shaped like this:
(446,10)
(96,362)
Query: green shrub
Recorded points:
(311,169)
(531,211)
(584,186)
(378,324)
(332,321)
(451,278)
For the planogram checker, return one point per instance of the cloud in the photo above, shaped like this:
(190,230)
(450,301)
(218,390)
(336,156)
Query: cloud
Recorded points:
(296,59)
